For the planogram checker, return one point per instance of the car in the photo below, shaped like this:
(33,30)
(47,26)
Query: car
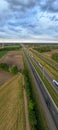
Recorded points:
(55,82)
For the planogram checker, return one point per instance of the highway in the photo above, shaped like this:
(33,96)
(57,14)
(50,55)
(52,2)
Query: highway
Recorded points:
(53,111)
(46,74)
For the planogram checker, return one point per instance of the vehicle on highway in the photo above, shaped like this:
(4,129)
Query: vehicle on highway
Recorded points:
(55,82)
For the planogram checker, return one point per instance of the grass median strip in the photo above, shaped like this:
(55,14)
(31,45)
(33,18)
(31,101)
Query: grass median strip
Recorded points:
(53,94)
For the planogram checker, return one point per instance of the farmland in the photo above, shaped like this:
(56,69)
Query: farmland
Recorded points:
(12,105)
(13,57)
(4,49)
(2,53)
(10,59)
(12,113)
(4,76)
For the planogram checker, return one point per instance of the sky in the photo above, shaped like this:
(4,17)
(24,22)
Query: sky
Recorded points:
(29,20)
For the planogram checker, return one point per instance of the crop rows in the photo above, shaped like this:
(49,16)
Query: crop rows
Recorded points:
(11,103)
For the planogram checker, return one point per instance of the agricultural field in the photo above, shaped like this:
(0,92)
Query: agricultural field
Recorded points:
(2,53)
(13,58)
(12,111)
(12,116)
(5,48)
(50,53)
(9,47)
(4,76)
(53,55)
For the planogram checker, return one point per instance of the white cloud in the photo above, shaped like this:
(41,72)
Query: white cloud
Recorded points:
(3,5)
(25,19)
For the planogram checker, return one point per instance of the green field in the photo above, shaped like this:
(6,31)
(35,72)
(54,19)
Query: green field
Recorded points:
(3,52)
(10,48)
(5,49)
(12,115)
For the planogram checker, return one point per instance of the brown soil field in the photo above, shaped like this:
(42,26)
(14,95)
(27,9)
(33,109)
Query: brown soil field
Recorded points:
(50,53)
(13,58)
(12,113)
(4,76)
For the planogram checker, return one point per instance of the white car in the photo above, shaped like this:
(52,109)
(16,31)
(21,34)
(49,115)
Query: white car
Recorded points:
(55,82)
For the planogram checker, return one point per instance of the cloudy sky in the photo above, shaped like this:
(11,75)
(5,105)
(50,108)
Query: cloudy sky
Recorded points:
(29,20)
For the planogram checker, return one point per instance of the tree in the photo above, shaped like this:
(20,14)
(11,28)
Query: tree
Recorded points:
(4,66)
(13,69)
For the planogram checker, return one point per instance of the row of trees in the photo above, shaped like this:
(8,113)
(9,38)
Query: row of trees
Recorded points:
(10,48)
(31,103)
(42,49)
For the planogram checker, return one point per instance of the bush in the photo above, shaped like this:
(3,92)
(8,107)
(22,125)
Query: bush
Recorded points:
(4,66)
(13,69)
(32,118)
(31,105)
